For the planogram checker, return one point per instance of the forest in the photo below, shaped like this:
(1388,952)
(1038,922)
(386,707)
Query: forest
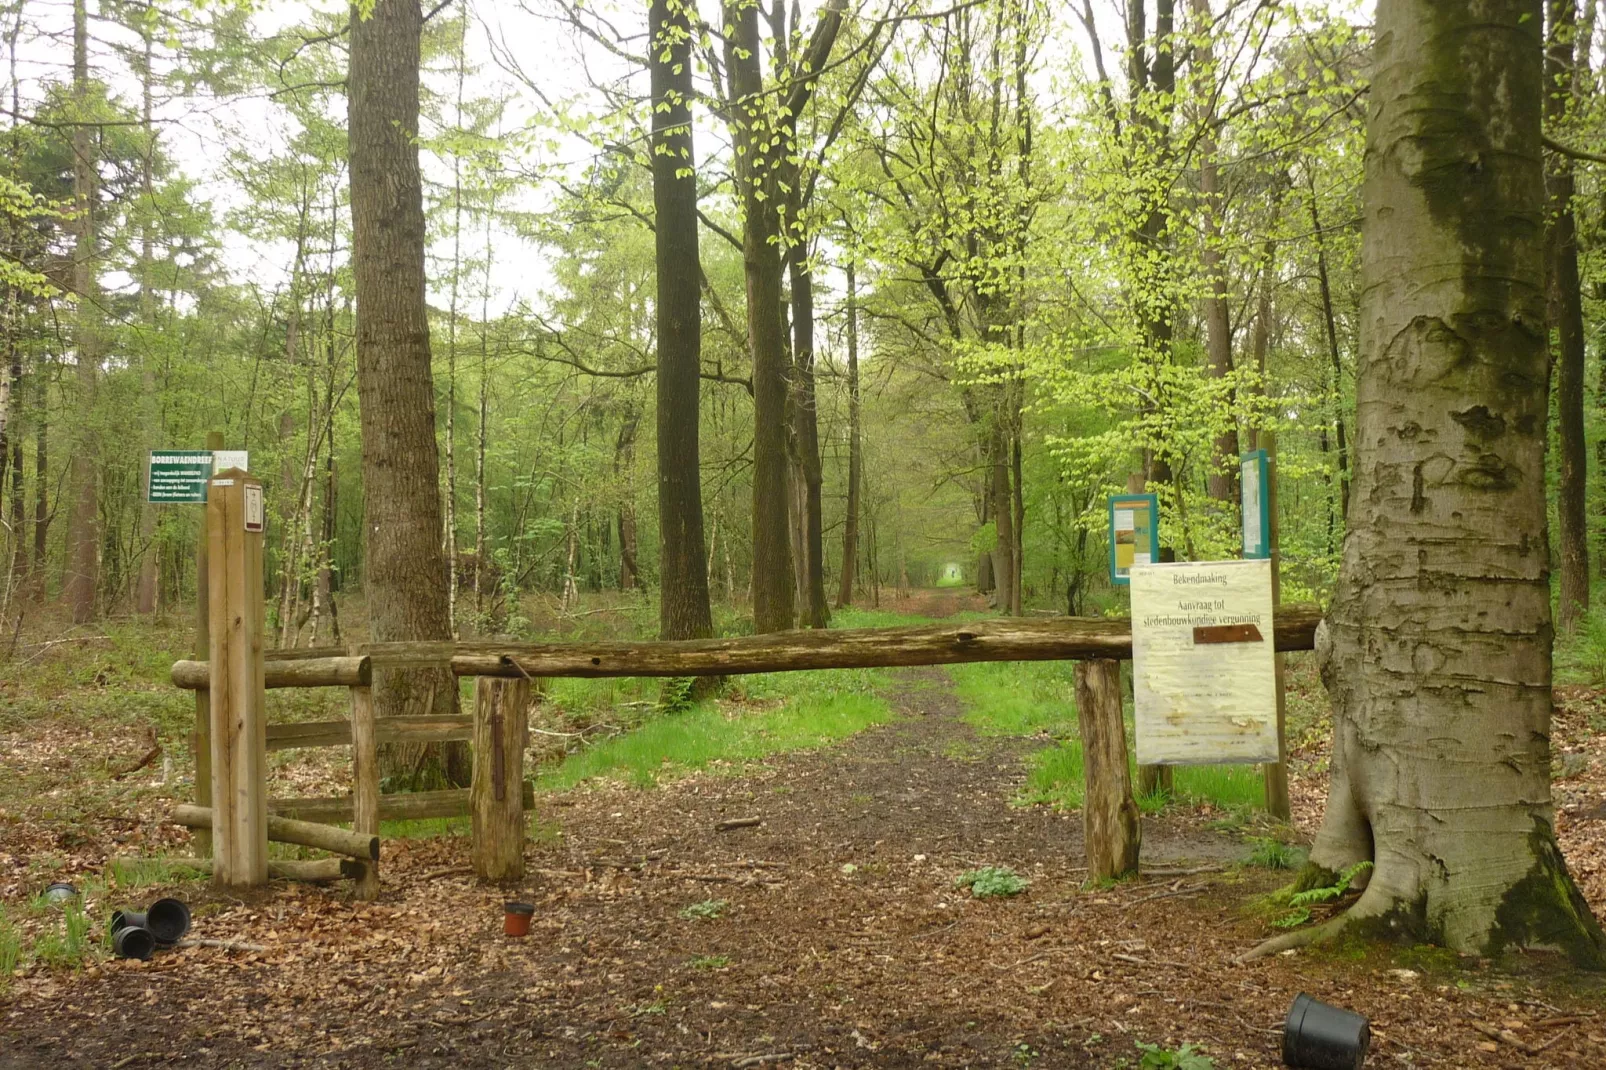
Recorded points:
(646,325)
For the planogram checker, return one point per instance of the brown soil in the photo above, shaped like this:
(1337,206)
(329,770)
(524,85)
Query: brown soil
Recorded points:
(841,941)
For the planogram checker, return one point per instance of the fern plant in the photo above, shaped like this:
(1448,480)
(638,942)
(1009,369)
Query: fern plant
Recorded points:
(1301,902)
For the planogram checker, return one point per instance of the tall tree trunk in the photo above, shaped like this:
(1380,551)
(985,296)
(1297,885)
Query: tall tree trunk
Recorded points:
(145,589)
(805,418)
(83,551)
(449,539)
(850,522)
(683,611)
(1566,315)
(1438,656)
(1003,509)
(1221,479)
(405,572)
(754,129)
(41,489)
(624,472)
(1330,324)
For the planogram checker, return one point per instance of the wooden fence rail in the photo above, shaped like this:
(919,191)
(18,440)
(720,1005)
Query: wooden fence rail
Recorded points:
(1012,639)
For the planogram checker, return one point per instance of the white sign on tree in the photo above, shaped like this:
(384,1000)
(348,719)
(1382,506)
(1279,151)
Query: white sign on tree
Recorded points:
(1203,671)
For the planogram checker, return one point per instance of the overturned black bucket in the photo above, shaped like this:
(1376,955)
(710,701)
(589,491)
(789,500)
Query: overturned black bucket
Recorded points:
(168,920)
(1319,1036)
(133,942)
(127,919)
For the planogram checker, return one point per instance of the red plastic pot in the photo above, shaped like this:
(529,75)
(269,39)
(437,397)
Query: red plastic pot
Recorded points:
(516,918)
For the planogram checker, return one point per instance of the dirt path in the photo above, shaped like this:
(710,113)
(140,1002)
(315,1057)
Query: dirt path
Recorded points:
(835,938)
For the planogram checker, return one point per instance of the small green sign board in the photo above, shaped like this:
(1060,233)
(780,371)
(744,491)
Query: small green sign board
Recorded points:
(178,475)
(1134,534)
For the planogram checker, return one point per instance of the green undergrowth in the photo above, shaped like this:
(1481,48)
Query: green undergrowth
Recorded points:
(1038,699)
(758,716)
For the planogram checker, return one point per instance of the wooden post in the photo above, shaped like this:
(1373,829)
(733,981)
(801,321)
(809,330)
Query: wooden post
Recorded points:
(1278,803)
(365,780)
(201,738)
(501,714)
(239,744)
(1111,828)
(1151,778)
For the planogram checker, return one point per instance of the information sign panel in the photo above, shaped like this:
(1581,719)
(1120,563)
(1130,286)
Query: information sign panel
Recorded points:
(1203,667)
(178,475)
(1254,485)
(1134,534)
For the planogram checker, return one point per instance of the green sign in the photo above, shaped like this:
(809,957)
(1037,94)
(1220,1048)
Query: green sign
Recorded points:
(1134,534)
(178,475)
(1255,486)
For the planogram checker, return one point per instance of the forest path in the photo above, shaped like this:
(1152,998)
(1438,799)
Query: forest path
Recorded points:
(830,935)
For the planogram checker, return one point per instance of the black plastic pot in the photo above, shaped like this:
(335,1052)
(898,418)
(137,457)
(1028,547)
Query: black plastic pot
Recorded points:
(1318,1036)
(133,942)
(168,920)
(127,919)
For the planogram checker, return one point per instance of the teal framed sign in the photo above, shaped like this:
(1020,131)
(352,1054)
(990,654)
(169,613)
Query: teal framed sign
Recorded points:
(1254,486)
(1134,534)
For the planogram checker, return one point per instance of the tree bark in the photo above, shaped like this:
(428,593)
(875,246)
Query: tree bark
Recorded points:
(755,130)
(1221,480)
(1439,662)
(1566,314)
(683,557)
(805,419)
(624,469)
(405,572)
(83,549)
(146,588)
(1330,324)
(850,522)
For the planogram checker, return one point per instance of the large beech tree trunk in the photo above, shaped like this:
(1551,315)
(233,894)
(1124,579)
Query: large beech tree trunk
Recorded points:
(1567,319)
(404,567)
(1438,657)
(683,556)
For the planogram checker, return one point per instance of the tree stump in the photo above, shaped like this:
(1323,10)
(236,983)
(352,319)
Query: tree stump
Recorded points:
(1111,830)
(501,716)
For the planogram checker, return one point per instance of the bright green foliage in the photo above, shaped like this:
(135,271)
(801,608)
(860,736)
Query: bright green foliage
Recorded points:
(1271,853)
(1186,1057)
(1302,901)
(705,910)
(992,882)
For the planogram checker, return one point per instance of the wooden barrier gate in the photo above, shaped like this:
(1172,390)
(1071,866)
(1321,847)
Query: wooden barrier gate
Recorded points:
(231,793)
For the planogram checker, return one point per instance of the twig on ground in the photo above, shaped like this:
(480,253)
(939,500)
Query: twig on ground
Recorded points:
(225,945)
(1168,873)
(150,756)
(762,1060)
(449,871)
(738,823)
(1171,893)
(1134,960)
(1505,1036)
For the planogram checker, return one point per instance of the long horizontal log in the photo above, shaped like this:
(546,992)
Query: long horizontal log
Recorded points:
(304,653)
(285,830)
(404,806)
(304,672)
(1008,639)
(337,733)
(306,870)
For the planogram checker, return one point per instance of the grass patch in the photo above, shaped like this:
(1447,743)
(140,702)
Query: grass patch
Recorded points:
(1018,698)
(128,874)
(710,962)
(803,710)
(1270,853)
(69,944)
(10,949)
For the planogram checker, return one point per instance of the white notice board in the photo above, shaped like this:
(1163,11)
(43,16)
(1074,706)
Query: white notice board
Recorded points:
(1203,670)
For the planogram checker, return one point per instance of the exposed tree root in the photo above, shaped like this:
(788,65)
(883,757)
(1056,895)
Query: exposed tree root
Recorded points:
(1327,930)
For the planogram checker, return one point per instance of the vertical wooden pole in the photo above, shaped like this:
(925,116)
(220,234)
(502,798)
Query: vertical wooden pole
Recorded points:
(1111,826)
(201,737)
(365,781)
(501,714)
(234,521)
(1278,803)
(1151,778)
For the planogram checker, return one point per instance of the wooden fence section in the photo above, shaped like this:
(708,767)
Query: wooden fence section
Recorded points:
(1011,639)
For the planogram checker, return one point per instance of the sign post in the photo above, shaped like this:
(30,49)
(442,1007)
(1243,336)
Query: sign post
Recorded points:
(237,697)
